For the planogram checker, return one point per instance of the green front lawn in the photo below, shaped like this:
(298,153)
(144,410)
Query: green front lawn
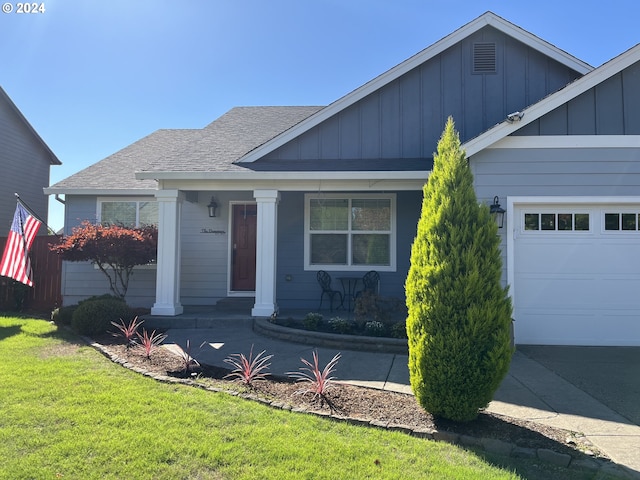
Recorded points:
(67,412)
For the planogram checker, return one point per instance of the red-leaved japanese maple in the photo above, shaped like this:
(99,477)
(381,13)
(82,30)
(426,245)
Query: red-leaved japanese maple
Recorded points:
(114,249)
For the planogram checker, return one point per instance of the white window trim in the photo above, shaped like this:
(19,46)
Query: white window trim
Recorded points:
(101,200)
(349,268)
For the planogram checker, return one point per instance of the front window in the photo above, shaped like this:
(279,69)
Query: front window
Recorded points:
(350,232)
(128,213)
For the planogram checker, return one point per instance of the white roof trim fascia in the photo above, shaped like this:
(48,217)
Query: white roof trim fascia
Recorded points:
(554,100)
(568,141)
(284,176)
(380,81)
(99,191)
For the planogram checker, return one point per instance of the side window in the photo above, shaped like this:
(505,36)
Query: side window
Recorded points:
(556,222)
(130,213)
(621,221)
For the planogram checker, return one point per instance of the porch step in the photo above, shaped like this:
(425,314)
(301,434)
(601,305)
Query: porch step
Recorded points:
(238,304)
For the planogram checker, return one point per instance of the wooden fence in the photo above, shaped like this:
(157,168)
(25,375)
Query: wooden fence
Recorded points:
(45,295)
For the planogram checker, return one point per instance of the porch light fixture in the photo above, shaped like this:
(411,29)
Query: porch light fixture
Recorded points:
(497,212)
(213,206)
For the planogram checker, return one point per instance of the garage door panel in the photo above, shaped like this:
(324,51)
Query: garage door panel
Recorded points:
(577,328)
(543,327)
(571,291)
(556,258)
(577,287)
(552,292)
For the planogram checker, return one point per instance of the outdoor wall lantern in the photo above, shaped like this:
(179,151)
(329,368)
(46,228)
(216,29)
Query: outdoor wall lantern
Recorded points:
(213,206)
(497,212)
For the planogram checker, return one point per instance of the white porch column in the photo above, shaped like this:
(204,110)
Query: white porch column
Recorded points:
(266,247)
(168,271)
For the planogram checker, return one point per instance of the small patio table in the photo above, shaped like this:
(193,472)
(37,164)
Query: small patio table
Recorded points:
(349,286)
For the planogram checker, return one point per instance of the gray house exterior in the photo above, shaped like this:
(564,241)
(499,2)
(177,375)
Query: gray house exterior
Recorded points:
(26,161)
(339,188)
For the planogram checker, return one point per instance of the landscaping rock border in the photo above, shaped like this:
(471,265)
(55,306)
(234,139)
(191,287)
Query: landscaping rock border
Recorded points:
(331,340)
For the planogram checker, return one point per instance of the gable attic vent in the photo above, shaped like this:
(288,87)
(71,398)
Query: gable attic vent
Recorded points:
(484,57)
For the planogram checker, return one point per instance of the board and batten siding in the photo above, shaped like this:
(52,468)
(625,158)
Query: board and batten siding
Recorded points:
(405,118)
(25,167)
(610,108)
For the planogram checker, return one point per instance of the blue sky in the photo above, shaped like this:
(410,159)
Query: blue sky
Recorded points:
(94,76)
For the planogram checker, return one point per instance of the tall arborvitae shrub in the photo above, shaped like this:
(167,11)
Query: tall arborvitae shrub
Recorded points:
(459,316)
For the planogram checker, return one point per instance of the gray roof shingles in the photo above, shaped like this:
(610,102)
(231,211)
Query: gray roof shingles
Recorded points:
(213,148)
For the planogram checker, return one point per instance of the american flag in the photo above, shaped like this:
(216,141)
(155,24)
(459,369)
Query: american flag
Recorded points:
(15,259)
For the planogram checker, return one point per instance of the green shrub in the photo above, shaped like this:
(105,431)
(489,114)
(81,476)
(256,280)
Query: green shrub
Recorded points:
(366,308)
(105,296)
(94,317)
(312,321)
(374,329)
(399,330)
(340,325)
(63,315)
(459,314)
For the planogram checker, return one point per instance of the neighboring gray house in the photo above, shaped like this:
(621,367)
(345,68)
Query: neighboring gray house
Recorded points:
(25,160)
(339,188)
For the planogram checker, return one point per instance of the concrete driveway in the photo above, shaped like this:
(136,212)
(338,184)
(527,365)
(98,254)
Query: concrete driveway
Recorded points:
(611,375)
(593,390)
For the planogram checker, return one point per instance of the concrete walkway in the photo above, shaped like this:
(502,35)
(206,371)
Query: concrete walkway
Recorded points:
(531,390)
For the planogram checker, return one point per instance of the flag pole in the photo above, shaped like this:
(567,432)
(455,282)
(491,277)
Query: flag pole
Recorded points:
(34,214)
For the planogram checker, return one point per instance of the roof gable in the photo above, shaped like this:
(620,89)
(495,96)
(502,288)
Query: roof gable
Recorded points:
(4,98)
(555,100)
(487,19)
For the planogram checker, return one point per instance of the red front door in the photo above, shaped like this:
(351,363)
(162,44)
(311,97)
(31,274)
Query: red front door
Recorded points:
(243,262)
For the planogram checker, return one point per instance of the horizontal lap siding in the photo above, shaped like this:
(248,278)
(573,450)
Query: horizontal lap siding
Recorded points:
(204,267)
(25,169)
(82,279)
(554,172)
(577,172)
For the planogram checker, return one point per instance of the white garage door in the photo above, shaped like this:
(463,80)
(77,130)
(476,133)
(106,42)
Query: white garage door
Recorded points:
(576,274)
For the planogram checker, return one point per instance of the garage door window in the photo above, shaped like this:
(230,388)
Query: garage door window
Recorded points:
(621,222)
(556,222)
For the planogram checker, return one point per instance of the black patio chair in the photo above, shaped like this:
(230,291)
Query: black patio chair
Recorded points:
(370,282)
(324,279)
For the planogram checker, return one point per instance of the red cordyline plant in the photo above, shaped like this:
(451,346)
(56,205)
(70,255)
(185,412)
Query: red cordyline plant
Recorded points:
(150,341)
(248,370)
(318,380)
(128,331)
(188,362)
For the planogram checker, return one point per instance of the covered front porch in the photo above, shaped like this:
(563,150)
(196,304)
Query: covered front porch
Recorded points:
(199,255)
